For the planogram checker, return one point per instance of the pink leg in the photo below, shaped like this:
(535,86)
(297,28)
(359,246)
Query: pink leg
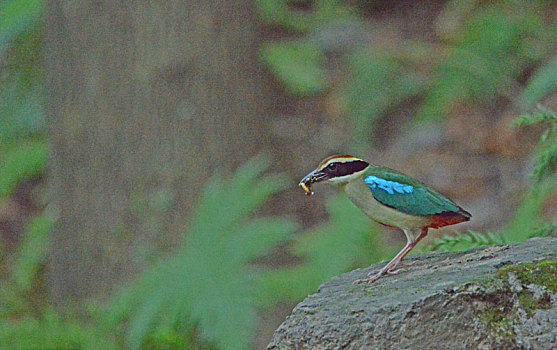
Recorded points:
(391,266)
(409,246)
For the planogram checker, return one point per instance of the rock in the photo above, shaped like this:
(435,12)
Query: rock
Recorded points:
(497,297)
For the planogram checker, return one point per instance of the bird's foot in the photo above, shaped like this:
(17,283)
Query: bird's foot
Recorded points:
(395,269)
(372,278)
(376,274)
(406,265)
(393,272)
(388,272)
(401,267)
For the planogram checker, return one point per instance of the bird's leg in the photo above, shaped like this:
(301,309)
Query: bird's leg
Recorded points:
(390,268)
(412,240)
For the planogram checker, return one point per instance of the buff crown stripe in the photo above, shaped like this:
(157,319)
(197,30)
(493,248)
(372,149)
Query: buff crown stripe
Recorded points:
(337,159)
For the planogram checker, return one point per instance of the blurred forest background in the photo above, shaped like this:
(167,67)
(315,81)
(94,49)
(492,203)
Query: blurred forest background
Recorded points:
(149,153)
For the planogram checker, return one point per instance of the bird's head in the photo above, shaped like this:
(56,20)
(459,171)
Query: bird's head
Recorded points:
(335,170)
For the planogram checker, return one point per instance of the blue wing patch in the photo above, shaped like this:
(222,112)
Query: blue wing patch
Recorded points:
(389,186)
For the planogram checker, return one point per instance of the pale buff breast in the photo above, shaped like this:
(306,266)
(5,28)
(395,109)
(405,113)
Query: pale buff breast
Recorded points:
(358,192)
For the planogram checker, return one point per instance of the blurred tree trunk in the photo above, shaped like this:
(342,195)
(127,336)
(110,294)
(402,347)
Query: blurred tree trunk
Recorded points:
(145,100)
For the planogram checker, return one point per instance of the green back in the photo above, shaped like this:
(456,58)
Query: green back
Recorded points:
(401,192)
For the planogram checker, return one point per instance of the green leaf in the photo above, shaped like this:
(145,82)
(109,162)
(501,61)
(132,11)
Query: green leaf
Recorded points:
(17,16)
(22,110)
(33,251)
(322,14)
(209,282)
(277,12)
(299,65)
(542,83)
(20,163)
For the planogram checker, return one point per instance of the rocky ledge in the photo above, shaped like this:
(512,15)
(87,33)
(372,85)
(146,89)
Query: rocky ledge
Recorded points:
(497,297)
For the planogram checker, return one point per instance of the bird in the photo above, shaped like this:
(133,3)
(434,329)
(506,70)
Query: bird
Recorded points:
(390,198)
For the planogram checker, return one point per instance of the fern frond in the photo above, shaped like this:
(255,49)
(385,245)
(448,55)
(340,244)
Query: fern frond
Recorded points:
(347,240)
(545,230)
(490,49)
(546,153)
(464,242)
(542,115)
(210,282)
(51,331)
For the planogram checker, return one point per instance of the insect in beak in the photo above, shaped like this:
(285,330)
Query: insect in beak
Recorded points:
(311,178)
(306,187)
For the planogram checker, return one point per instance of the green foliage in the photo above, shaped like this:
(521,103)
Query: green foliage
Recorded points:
(347,240)
(378,81)
(299,65)
(484,50)
(542,83)
(545,230)
(278,12)
(27,321)
(543,115)
(464,242)
(21,110)
(491,49)
(283,13)
(22,152)
(546,154)
(50,331)
(166,338)
(527,222)
(16,17)
(20,163)
(210,282)
(527,217)
(20,292)
(33,251)
(12,301)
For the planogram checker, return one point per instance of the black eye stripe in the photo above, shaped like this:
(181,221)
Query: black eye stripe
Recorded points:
(347,168)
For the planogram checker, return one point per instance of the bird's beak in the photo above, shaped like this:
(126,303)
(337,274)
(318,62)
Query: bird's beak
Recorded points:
(311,178)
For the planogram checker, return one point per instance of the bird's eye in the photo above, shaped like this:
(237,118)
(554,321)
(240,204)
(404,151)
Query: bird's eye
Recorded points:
(332,166)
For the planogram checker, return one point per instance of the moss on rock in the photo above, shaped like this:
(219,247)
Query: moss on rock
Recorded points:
(500,320)
(520,287)
(542,274)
